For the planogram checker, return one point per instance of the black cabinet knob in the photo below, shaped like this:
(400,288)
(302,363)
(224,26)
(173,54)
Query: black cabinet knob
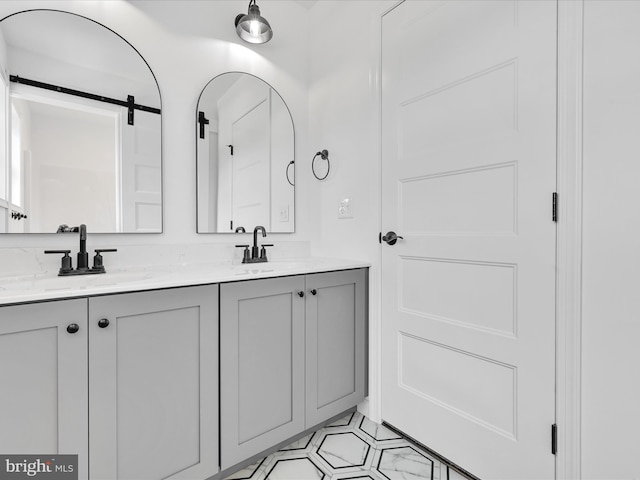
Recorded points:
(313,291)
(103,323)
(301,294)
(73,328)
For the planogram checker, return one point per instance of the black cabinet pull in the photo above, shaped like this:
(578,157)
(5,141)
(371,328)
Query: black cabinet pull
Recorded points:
(313,291)
(103,323)
(301,294)
(73,328)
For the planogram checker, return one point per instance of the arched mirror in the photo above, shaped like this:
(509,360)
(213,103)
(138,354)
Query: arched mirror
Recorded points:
(245,157)
(80,128)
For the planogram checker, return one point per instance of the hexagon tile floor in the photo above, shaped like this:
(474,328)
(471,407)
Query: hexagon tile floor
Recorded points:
(353,447)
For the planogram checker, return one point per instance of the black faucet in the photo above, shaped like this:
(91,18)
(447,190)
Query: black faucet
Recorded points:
(254,249)
(258,254)
(83,256)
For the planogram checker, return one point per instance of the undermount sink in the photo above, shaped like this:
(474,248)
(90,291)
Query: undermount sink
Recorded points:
(41,284)
(114,278)
(252,269)
(76,282)
(272,266)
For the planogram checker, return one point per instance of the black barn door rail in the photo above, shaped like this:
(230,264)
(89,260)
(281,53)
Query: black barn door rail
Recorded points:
(129,103)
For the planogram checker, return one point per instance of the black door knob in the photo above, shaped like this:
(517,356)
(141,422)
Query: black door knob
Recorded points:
(103,323)
(73,328)
(313,291)
(301,294)
(391,238)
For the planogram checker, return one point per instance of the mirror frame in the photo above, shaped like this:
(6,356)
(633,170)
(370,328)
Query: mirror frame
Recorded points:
(155,79)
(293,129)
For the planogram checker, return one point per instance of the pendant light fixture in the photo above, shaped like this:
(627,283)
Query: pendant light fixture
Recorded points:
(252,27)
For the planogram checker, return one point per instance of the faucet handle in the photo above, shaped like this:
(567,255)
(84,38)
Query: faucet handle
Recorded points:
(246,257)
(263,251)
(97,259)
(66,265)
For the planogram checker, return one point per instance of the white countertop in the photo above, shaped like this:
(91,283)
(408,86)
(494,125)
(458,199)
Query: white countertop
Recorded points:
(31,288)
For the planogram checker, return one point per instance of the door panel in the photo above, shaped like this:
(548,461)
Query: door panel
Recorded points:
(154,372)
(335,336)
(261,365)
(468,312)
(43,371)
(141,164)
(251,167)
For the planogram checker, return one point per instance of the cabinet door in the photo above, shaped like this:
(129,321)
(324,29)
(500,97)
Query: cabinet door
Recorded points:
(335,339)
(153,389)
(261,365)
(43,373)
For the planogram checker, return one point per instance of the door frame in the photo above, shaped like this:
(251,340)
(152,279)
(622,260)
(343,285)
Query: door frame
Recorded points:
(569,240)
(568,236)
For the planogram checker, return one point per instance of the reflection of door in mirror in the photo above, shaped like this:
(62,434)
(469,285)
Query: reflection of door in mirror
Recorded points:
(208,175)
(4,197)
(244,159)
(250,167)
(82,128)
(141,172)
(19,165)
(245,144)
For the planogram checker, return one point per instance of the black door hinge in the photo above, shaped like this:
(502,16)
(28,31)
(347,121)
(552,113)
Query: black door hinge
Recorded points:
(554,208)
(554,439)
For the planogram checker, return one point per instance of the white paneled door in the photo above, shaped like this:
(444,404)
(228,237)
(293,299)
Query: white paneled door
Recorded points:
(469,169)
(141,173)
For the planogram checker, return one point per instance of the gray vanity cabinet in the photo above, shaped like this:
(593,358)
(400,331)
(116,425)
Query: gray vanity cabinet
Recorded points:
(153,366)
(43,373)
(335,343)
(261,365)
(291,357)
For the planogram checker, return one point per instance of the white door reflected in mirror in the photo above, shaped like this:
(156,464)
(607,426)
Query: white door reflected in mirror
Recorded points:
(245,141)
(83,129)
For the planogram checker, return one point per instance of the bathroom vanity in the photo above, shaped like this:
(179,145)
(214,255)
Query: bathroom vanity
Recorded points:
(132,376)
(292,357)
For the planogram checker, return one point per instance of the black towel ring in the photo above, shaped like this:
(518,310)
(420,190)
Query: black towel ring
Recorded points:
(324,155)
(292,162)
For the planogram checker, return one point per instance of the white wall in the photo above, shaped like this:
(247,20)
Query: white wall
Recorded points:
(344,119)
(187,43)
(611,253)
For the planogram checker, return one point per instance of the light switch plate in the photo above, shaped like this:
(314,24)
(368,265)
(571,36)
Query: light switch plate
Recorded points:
(284,213)
(345,209)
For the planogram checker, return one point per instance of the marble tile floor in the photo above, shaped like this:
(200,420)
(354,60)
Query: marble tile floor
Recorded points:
(352,447)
